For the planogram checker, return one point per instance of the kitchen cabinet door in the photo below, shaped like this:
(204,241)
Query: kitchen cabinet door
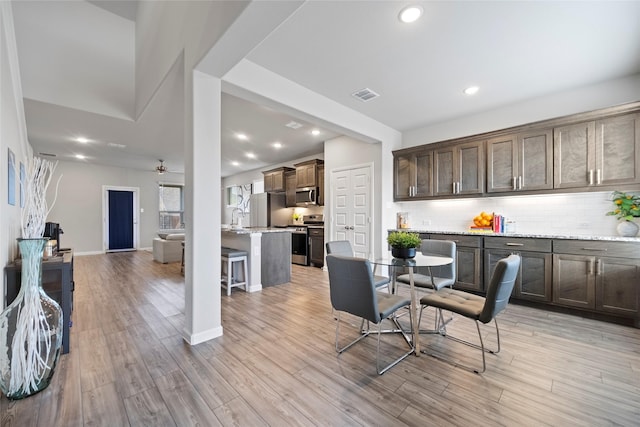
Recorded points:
(520,162)
(290,192)
(618,150)
(574,281)
(274,180)
(502,164)
(307,173)
(617,286)
(535,160)
(534,279)
(574,155)
(321,191)
(459,169)
(469,269)
(413,175)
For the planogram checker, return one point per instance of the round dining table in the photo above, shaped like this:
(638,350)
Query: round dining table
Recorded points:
(410,264)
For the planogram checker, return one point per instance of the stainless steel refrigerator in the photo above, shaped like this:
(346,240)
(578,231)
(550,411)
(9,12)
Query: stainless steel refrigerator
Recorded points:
(268,210)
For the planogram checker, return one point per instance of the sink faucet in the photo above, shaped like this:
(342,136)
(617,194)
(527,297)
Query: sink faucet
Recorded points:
(235,211)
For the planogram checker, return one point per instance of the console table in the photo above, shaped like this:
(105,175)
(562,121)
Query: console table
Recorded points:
(57,282)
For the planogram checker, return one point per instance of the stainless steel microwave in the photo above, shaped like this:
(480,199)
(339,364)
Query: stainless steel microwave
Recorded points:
(306,196)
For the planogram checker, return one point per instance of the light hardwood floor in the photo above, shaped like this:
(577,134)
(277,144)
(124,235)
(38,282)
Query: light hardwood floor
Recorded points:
(276,364)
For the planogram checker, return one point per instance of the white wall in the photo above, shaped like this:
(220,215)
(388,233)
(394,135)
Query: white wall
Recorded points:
(602,95)
(78,208)
(567,214)
(12,136)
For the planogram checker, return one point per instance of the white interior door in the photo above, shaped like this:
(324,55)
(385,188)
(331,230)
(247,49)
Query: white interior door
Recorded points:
(351,208)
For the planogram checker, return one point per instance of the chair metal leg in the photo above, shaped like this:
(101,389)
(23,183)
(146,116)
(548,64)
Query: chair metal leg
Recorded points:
(470,344)
(395,362)
(363,334)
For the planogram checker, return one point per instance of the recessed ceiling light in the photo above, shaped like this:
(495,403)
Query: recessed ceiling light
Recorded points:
(410,14)
(315,132)
(234,163)
(471,90)
(277,145)
(242,136)
(82,140)
(250,155)
(80,156)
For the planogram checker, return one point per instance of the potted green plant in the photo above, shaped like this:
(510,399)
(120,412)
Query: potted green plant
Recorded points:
(403,243)
(627,207)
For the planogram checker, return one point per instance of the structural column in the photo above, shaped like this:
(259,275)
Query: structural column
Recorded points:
(202,207)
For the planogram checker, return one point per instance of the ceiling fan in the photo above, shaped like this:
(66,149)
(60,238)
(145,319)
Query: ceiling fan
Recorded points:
(161,168)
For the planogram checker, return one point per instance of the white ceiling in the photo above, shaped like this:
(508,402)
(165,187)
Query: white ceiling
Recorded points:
(513,50)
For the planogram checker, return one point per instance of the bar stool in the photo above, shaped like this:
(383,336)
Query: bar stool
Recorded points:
(230,256)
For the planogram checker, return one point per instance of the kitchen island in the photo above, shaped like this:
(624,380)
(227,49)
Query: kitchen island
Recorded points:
(268,254)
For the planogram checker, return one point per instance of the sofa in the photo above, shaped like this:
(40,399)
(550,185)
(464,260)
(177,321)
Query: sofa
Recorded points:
(167,247)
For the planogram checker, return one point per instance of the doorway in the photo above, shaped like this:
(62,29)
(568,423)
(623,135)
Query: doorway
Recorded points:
(351,206)
(120,222)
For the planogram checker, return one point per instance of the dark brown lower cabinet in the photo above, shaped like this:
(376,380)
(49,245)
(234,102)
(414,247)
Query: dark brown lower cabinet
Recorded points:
(607,281)
(534,280)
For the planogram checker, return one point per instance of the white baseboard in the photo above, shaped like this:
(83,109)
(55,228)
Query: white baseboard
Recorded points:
(88,253)
(194,339)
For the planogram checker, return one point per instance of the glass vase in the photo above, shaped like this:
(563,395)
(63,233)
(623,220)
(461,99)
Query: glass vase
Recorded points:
(30,330)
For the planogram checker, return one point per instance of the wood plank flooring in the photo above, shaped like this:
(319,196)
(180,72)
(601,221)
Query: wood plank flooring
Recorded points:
(276,364)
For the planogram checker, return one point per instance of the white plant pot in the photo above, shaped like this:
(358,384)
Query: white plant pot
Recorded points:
(627,229)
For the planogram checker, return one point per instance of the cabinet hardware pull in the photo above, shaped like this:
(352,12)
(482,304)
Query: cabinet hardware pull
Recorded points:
(598,267)
(514,244)
(515,183)
(595,249)
(598,177)
(590,176)
(590,270)
(520,182)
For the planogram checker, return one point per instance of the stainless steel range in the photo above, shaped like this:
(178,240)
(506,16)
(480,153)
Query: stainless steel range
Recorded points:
(301,241)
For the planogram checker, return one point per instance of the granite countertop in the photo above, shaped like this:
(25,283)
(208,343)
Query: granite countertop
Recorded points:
(526,235)
(253,230)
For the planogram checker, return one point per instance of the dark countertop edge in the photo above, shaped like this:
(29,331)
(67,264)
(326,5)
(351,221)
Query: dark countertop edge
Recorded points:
(524,235)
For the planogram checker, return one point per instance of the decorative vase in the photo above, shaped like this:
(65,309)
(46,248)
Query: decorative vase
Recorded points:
(627,228)
(403,252)
(30,330)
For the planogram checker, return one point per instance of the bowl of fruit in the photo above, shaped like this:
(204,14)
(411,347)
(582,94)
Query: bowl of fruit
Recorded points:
(483,220)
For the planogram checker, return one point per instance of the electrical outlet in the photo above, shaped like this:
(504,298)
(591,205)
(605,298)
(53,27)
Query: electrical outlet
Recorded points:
(584,225)
(426,222)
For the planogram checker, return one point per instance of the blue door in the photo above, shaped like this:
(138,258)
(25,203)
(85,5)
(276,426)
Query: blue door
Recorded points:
(120,220)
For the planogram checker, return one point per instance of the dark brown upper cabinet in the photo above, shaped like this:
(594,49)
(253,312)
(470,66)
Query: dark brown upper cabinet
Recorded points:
(274,180)
(458,169)
(520,162)
(413,175)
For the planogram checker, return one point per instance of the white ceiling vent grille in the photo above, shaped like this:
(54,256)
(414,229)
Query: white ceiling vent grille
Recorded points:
(365,94)
(293,125)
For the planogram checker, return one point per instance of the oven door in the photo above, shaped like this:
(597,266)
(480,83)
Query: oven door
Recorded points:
(299,248)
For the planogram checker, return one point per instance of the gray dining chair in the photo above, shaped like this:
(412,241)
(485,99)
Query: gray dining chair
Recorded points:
(352,290)
(477,308)
(343,247)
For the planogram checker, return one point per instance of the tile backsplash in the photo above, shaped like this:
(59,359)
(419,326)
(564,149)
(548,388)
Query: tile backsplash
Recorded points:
(558,214)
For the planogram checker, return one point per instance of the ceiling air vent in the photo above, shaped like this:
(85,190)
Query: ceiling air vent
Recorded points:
(47,154)
(365,94)
(293,125)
